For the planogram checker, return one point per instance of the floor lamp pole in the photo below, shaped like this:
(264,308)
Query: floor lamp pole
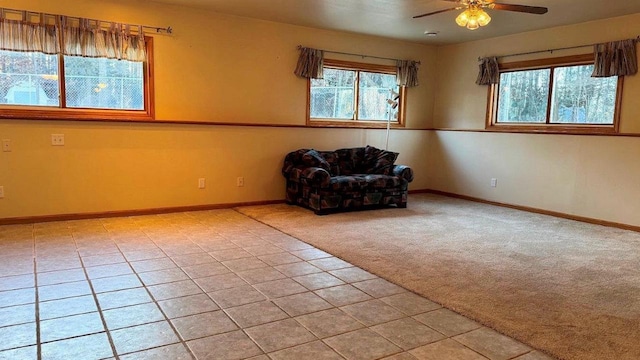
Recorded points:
(392,103)
(386,146)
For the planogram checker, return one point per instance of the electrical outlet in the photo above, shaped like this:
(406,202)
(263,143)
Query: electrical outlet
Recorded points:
(57,139)
(494,182)
(6,145)
(1,192)
(201,183)
(240,181)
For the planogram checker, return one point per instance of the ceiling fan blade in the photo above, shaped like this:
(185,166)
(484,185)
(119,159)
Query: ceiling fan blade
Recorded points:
(433,13)
(521,8)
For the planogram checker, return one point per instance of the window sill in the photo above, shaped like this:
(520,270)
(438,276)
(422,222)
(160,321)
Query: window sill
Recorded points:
(358,124)
(35,113)
(554,129)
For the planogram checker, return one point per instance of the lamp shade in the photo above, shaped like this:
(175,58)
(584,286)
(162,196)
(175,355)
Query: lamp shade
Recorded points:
(473,18)
(463,18)
(483,18)
(473,23)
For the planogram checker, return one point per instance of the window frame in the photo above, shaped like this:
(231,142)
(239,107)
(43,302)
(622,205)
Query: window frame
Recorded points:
(27,112)
(547,127)
(355,123)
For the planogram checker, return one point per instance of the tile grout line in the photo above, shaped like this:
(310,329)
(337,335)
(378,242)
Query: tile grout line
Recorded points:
(94,294)
(95,299)
(240,328)
(155,301)
(37,298)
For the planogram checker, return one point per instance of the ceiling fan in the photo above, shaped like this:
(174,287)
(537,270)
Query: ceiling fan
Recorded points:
(474,15)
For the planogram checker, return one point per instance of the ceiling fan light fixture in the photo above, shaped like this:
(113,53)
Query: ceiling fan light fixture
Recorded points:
(473,24)
(463,19)
(473,17)
(483,18)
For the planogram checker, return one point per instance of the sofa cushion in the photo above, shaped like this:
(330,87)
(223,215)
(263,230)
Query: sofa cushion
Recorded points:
(348,183)
(350,160)
(382,181)
(378,161)
(314,159)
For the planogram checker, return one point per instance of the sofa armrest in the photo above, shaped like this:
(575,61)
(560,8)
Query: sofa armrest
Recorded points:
(292,162)
(316,177)
(403,171)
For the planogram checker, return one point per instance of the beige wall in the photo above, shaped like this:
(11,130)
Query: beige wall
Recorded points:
(230,69)
(214,68)
(590,176)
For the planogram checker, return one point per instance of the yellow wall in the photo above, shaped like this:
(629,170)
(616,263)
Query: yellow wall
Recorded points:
(590,176)
(214,68)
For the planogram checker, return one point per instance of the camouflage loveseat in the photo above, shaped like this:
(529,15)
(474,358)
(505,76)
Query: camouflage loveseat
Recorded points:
(326,181)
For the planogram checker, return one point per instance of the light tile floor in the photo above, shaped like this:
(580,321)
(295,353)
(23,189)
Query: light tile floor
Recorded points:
(212,285)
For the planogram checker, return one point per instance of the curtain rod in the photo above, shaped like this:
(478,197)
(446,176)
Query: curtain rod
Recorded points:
(549,50)
(359,55)
(24,13)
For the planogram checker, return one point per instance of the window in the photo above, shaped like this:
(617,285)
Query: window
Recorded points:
(556,95)
(355,94)
(34,85)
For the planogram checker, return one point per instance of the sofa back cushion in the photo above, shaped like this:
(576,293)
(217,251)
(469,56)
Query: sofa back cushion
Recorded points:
(378,161)
(332,158)
(343,162)
(350,160)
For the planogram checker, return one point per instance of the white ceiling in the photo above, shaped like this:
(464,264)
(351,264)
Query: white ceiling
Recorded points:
(393,18)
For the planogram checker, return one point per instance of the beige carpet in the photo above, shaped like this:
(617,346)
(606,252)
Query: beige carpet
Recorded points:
(568,288)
